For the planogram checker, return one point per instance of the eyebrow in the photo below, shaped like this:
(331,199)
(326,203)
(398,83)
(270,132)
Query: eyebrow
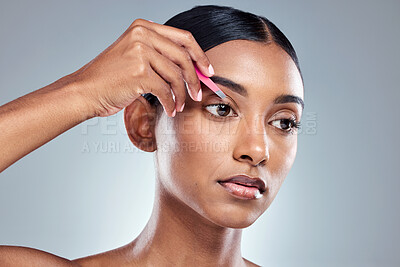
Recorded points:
(238,88)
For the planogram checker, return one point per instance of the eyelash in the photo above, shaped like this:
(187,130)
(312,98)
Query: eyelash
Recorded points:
(295,125)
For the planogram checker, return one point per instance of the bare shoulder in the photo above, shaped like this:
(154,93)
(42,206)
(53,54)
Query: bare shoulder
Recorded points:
(250,264)
(25,256)
(91,260)
(118,257)
(115,257)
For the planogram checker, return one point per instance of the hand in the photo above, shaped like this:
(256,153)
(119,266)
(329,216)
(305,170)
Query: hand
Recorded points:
(146,58)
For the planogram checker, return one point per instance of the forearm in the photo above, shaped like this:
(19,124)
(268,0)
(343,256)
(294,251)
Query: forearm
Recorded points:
(32,120)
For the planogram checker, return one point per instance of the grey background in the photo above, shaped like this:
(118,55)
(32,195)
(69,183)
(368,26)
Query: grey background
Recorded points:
(339,206)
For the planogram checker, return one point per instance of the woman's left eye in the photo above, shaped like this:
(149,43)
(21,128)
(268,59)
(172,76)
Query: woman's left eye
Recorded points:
(286,125)
(220,110)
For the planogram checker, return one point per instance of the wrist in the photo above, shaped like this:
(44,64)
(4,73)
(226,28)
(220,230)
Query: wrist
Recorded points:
(80,99)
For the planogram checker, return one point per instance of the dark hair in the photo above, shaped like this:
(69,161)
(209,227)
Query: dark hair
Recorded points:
(212,25)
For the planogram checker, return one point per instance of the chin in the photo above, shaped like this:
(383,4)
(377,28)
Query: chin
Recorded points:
(232,217)
(234,222)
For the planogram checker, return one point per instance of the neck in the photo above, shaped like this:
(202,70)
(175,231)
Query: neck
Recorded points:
(176,234)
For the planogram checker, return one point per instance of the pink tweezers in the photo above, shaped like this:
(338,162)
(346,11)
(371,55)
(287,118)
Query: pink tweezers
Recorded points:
(209,83)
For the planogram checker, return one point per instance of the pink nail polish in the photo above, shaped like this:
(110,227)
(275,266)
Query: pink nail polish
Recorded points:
(174,113)
(211,70)
(182,107)
(190,93)
(200,95)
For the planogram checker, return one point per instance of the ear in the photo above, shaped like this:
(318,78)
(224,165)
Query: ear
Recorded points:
(140,119)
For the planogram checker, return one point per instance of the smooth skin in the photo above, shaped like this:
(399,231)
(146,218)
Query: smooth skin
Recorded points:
(194,220)
(144,59)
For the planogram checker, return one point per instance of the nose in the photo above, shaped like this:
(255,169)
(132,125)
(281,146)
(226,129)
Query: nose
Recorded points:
(252,144)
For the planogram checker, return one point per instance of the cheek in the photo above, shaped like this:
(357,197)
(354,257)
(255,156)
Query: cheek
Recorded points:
(282,156)
(188,150)
(198,142)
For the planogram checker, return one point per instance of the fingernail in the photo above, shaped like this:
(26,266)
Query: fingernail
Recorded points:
(174,113)
(182,107)
(151,20)
(199,95)
(211,70)
(190,92)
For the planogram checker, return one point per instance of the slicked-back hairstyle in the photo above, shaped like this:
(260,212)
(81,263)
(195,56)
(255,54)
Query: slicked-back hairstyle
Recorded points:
(212,25)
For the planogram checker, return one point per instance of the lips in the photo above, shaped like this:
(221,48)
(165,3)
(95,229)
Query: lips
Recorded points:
(246,181)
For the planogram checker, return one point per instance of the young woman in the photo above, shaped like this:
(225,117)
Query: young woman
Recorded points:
(219,162)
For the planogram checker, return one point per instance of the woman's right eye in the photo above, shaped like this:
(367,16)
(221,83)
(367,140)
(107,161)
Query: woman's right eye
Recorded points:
(220,110)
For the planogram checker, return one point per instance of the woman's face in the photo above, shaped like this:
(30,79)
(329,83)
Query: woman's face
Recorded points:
(249,134)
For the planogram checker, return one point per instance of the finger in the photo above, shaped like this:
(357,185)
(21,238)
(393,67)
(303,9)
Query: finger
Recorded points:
(172,74)
(162,90)
(183,38)
(175,53)
(180,57)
